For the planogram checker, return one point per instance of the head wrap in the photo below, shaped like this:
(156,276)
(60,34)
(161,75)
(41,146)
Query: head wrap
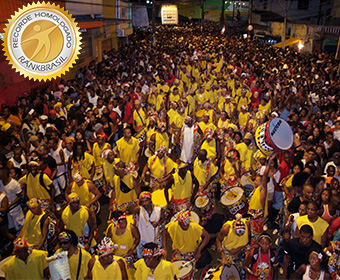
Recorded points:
(105,153)
(106,247)
(161,149)
(151,253)
(187,119)
(77,177)
(265,235)
(183,218)
(33,202)
(248,136)
(20,243)
(145,195)
(58,104)
(64,237)
(73,197)
(33,162)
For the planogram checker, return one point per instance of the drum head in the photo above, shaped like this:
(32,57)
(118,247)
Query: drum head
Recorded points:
(281,133)
(230,273)
(232,195)
(201,201)
(148,152)
(194,217)
(184,271)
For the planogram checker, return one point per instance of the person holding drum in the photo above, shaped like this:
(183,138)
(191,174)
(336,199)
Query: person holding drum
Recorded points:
(184,187)
(153,267)
(161,167)
(188,238)
(78,258)
(149,219)
(26,263)
(139,118)
(78,219)
(85,189)
(105,265)
(98,147)
(232,240)
(126,187)
(258,203)
(110,162)
(205,172)
(36,224)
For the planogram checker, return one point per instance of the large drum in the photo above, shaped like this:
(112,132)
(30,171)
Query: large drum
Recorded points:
(247,184)
(222,273)
(186,270)
(274,136)
(235,201)
(202,202)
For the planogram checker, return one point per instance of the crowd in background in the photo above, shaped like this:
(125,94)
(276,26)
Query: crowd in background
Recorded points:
(144,119)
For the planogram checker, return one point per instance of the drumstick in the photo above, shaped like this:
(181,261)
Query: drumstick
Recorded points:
(185,264)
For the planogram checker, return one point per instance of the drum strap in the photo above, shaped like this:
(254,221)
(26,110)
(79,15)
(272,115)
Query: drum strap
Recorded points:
(79,263)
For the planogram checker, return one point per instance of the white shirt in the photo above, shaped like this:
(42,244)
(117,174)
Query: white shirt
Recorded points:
(188,144)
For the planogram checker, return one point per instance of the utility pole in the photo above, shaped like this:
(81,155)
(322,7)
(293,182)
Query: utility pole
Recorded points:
(153,24)
(202,19)
(222,15)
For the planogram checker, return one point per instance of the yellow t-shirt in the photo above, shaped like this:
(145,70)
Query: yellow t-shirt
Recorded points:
(319,226)
(255,202)
(156,166)
(83,166)
(232,240)
(242,118)
(76,221)
(164,271)
(210,147)
(161,139)
(137,118)
(16,268)
(97,152)
(151,131)
(124,241)
(34,188)
(83,192)
(128,150)
(122,197)
(200,171)
(185,240)
(223,124)
(266,108)
(204,125)
(109,171)
(73,263)
(242,101)
(31,231)
(111,272)
(182,188)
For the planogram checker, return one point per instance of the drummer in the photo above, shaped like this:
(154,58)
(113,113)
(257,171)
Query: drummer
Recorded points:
(109,164)
(258,203)
(184,187)
(152,266)
(35,227)
(188,237)
(126,187)
(85,189)
(205,171)
(232,241)
(149,219)
(159,138)
(105,265)
(77,218)
(161,166)
(26,264)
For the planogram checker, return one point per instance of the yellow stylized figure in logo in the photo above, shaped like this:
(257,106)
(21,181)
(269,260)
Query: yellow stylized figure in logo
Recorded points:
(36,41)
(42,41)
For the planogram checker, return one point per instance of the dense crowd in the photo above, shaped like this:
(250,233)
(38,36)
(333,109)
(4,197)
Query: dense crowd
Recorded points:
(168,134)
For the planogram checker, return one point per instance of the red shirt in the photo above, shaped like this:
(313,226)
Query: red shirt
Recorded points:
(128,116)
(256,94)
